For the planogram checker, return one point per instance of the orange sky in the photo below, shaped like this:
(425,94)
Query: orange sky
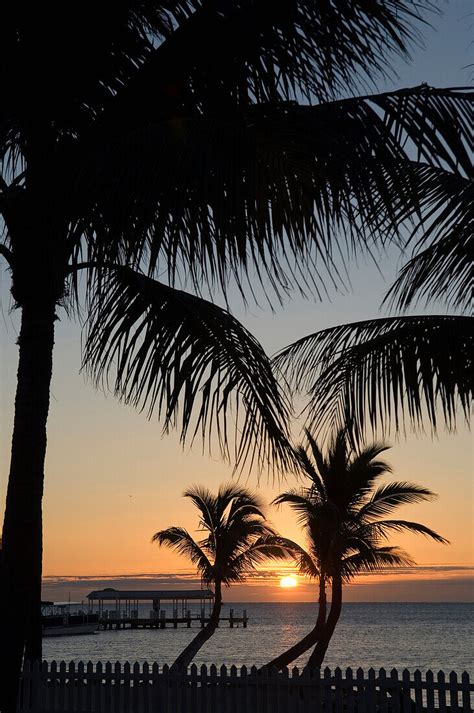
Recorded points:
(113,480)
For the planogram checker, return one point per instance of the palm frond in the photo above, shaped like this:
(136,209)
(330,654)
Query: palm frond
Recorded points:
(174,352)
(301,501)
(206,503)
(262,191)
(383,373)
(318,456)
(438,130)
(443,270)
(293,48)
(388,497)
(308,469)
(375,560)
(266,547)
(179,539)
(383,526)
(363,470)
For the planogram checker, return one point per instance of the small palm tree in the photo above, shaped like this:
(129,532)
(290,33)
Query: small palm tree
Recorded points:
(340,511)
(237,539)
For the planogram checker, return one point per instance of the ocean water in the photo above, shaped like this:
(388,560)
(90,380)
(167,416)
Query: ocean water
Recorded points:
(391,635)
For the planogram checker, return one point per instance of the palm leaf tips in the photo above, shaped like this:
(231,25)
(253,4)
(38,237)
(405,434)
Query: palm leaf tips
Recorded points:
(175,353)
(384,373)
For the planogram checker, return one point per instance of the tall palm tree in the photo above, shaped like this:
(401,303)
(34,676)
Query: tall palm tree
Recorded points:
(341,512)
(237,539)
(154,141)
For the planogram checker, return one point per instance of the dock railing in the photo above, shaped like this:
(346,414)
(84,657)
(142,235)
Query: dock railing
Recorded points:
(126,688)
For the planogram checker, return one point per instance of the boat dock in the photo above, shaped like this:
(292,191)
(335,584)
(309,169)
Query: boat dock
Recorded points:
(128,609)
(164,621)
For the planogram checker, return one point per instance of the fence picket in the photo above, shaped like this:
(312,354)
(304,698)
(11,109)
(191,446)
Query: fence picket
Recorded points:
(154,700)
(117,688)
(370,688)
(382,692)
(466,695)
(107,688)
(165,689)
(136,688)
(453,692)
(146,688)
(394,691)
(430,698)
(44,688)
(99,687)
(406,698)
(361,692)
(441,692)
(235,690)
(126,686)
(254,687)
(62,686)
(204,691)
(418,686)
(222,690)
(338,698)
(326,690)
(349,690)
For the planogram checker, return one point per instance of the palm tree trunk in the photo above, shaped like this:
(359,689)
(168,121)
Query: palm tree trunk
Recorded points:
(22,543)
(317,656)
(186,656)
(310,639)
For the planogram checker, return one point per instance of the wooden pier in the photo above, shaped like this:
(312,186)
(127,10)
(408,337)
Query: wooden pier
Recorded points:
(127,614)
(164,621)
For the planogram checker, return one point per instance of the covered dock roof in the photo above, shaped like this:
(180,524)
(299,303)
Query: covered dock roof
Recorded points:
(149,594)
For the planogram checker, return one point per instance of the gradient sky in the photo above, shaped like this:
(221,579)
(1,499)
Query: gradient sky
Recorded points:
(112,479)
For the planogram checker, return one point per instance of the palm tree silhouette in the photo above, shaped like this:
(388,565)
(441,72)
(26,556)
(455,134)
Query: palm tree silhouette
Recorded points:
(340,512)
(237,539)
(173,148)
(409,369)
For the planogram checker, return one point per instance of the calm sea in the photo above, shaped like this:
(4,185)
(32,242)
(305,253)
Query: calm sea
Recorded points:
(424,636)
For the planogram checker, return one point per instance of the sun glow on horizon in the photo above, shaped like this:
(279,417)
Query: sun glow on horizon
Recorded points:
(288,581)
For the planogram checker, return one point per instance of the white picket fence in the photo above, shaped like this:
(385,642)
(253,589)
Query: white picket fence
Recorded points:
(125,688)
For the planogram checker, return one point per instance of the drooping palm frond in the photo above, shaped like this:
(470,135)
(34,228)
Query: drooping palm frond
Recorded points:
(375,560)
(318,456)
(382,527)
(308,468)
(390,496)
(384,373)
(268,546)
(183,543)
(363,470)
(206,503)
(443,269)
(302,502)
(185,357)
(440,132)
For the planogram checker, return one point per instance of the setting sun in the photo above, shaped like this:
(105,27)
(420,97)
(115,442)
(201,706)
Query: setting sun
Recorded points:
(288,581)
